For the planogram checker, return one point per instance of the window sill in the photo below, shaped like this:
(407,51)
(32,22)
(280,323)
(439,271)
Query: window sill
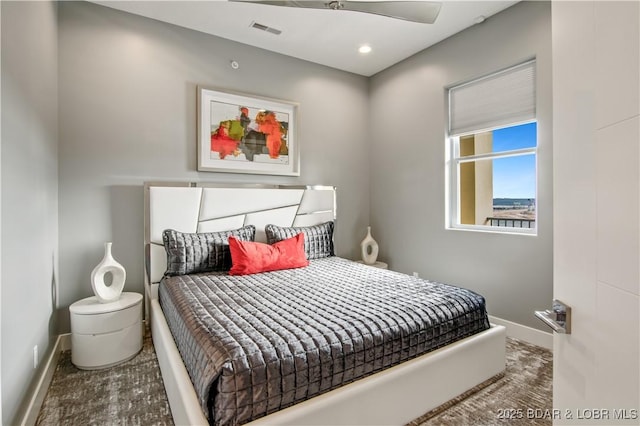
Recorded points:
(533,232)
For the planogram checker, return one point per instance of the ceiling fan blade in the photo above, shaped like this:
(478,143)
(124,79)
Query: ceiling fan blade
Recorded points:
(311,4)
(424,12)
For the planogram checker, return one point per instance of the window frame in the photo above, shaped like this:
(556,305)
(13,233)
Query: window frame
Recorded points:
(453,192)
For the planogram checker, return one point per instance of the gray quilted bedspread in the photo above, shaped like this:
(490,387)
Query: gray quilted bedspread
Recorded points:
(258,343)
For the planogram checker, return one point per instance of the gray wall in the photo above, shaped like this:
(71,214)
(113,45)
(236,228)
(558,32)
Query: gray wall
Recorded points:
(128,115)
(408,121)
(29,194)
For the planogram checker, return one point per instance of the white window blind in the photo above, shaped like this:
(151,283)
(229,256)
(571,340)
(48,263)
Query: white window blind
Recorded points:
(504,98)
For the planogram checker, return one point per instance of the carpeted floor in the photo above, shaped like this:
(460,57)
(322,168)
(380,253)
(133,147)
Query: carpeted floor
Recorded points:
(132,393)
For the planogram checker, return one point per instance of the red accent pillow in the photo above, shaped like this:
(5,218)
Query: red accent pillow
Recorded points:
(248,257)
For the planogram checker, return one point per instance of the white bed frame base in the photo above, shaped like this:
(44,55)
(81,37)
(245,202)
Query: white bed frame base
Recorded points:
(391,397)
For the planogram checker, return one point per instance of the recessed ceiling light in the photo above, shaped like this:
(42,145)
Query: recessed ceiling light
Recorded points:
(365,48)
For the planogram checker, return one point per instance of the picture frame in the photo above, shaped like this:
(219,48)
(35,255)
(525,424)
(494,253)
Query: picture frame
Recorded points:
(242,133)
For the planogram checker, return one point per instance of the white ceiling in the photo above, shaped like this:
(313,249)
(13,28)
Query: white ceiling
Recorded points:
(326,37)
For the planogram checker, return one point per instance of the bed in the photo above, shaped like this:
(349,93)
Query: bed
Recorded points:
(383,380)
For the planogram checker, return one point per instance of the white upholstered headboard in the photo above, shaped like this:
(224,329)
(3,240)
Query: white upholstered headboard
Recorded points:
(191,207)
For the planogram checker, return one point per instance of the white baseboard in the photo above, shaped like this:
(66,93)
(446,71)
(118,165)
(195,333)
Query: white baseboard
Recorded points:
(522,332)
(63,343)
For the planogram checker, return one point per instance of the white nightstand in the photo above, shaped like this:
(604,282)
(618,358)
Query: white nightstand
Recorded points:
(105,334)
(378,264)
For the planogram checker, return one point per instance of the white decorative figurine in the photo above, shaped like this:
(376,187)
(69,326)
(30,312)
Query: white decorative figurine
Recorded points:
(108,293)
(369,248)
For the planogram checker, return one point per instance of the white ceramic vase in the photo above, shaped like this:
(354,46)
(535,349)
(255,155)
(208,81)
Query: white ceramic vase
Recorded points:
(108,293)
(369,248)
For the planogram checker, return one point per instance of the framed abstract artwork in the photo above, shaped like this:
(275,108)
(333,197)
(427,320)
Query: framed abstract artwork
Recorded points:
(241,133)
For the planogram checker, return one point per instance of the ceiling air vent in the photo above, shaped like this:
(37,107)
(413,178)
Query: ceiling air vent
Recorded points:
(262,27)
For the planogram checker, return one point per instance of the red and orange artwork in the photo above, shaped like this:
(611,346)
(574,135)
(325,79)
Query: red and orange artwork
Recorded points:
(242,134)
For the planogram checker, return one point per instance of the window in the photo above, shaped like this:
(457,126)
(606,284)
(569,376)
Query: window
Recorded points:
(492,152)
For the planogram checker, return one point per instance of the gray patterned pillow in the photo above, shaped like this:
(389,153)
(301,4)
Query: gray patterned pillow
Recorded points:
(201,252)
(318,239)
